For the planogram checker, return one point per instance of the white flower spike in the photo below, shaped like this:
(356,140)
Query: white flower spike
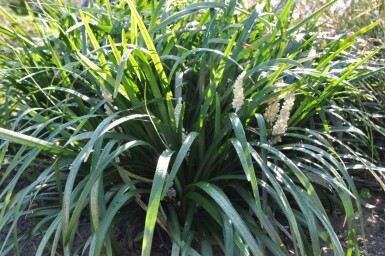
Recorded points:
(238,99)
(280,126)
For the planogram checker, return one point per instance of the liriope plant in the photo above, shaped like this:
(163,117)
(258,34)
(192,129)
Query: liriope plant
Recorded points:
(215,121)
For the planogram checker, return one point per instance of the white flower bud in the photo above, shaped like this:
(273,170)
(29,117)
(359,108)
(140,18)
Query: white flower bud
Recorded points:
(271,111)
(280,126)
(108,97)
(238,99)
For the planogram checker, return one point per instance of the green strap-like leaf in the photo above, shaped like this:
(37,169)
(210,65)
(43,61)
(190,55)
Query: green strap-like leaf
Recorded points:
(221,199)
(178,161)
(35,143)
(120,198)
(150,45)
(154,201)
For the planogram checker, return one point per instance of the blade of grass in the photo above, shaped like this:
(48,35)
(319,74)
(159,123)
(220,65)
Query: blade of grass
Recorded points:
(154,201)
(222,200)
(33,142)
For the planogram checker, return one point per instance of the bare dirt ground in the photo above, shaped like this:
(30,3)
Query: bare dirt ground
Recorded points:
(374,216)
(127,231)
(374,224)
(373,209)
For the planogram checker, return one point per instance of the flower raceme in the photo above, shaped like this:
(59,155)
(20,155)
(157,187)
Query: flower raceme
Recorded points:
(271,112)
(238,99)
(271,115)
(108,97)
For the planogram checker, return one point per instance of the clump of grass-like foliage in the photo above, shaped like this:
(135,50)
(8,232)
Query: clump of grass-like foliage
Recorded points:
(224,126)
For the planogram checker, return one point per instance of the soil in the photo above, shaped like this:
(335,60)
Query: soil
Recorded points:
(127,234)
(373,213)
(373,209)
(127,231)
